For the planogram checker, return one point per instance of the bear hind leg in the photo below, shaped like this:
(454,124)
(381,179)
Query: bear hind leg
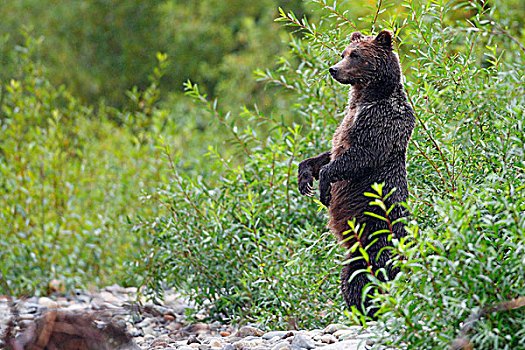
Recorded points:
(353,290)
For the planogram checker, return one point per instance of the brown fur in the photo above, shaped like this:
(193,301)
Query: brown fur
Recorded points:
(339,213)
(368,147)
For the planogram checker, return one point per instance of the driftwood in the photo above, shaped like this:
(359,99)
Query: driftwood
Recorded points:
(62,330)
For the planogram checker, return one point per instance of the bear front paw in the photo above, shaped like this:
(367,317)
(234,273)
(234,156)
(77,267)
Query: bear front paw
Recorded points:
(305,179)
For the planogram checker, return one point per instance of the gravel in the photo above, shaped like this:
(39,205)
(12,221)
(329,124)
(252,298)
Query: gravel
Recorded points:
(166,327)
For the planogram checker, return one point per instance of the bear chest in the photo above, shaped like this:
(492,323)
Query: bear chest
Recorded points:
(341,139)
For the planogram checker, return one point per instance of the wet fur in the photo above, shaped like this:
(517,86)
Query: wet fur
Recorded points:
(368,147)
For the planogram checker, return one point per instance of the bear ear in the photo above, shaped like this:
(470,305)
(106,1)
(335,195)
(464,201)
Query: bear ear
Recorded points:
(356,36)
(384,39)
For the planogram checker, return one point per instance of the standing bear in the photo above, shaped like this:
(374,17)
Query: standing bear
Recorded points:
(368,147)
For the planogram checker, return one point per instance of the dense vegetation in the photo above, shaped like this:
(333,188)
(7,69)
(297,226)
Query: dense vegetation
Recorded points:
(100,186)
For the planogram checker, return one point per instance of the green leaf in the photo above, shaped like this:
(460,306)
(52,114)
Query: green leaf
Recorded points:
(375,215)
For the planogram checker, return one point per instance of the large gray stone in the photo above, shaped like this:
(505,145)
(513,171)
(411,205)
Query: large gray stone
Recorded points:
(332,328)
(303,341)
(112,299)
(352,344)
(273,334)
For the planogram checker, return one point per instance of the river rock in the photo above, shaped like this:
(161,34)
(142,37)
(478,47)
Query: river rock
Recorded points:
(330,329)
(345,333)
(328,339)
(193,340)
(248,344)
(46,302)
(173,326)
(303,341)
(273,334)
(352,344)
(282,345)
(215,343)
(246,331)
(110,298)
(149,337)
(163,327)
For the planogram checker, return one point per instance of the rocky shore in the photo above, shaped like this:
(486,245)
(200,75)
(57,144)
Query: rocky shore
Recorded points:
(164,327)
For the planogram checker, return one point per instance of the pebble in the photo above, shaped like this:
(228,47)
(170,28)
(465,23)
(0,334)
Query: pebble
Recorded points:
(174,326)
(166,327)
(193,339)
(215,343)
(46,302)
(246,331)
(169,318)
(282,345)
(74,307)
(248,344)
(334,328)
(149,330)
(144,323)
(328,339)
(344,333)
(27,317)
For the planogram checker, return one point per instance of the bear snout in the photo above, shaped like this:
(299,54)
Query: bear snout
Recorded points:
(333,71)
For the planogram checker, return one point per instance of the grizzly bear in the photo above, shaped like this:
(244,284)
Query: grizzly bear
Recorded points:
(368,147)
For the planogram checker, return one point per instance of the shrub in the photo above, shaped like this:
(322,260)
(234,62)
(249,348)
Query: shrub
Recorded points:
(461,282)
(68,179)
(240,242)
(463,258)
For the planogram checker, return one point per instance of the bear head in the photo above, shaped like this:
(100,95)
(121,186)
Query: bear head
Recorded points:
(368,60)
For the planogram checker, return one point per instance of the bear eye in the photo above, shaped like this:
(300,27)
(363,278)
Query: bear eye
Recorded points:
(354,54)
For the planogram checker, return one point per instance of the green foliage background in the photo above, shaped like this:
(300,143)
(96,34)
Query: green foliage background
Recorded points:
(110,174)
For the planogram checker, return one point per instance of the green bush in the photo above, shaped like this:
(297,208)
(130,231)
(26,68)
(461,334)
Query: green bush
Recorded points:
(69,178)
(465,251)
(252,246)
(460,282)
(237,239)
